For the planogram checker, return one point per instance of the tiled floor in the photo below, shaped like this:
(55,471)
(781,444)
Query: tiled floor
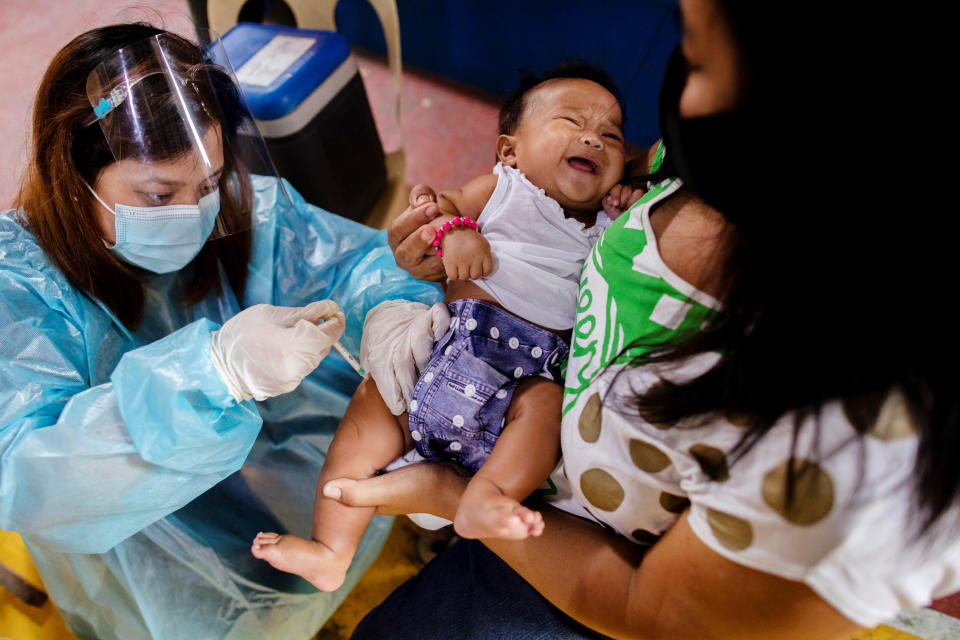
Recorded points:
(448,136)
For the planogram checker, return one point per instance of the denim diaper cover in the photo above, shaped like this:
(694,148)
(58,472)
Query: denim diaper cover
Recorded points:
(460,402)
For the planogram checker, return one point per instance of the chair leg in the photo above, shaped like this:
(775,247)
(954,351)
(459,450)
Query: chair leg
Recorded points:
(21,588)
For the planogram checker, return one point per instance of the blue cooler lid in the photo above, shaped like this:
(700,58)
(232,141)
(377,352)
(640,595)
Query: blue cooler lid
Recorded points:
(279,66)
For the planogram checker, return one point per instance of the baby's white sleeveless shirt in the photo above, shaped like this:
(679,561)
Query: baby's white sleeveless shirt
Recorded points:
(538,253)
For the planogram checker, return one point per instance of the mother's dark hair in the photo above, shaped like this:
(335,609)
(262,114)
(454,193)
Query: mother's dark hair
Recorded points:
(839,268)
(58,208)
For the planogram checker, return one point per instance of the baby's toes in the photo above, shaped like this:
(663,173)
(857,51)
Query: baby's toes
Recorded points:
(536,527)
(513,528)
(266,537)
(532,520)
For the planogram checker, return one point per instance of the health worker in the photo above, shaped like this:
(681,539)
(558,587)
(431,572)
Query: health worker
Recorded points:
(167,310)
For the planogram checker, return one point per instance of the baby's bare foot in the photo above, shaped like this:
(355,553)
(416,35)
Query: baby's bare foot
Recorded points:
(313,561)
(494,515)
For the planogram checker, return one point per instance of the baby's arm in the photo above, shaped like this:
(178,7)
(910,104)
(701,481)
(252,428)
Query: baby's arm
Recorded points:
(466,254)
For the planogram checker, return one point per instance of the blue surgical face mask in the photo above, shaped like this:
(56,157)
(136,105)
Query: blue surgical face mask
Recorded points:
(162,239)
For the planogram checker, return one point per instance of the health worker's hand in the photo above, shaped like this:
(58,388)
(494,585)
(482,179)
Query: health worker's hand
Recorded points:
(411,236)
(397,341)
(265,351)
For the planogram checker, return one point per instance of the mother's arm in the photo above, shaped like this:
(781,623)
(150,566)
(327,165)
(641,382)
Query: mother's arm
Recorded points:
(681,589)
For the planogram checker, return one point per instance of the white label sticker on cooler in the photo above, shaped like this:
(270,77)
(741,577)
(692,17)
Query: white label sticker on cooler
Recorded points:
(273,60)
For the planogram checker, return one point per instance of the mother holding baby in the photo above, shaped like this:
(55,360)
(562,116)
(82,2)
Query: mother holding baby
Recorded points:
(757,407)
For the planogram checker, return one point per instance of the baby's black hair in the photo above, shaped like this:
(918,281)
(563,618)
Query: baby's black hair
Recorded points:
(512,109)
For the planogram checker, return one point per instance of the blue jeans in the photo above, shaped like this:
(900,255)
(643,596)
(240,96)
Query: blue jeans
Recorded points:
(469,593)
(459,404)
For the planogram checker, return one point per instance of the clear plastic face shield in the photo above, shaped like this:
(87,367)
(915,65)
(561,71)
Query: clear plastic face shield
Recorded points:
(180,130)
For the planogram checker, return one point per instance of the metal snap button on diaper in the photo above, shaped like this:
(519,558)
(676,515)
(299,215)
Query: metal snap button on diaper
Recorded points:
(494,333)
(469,390)
(416,435)
(502,393)
(413,405)
(518,372)
(514,343)
(455,446)
(536,352)
(429,376)
(471,324)
(458,420)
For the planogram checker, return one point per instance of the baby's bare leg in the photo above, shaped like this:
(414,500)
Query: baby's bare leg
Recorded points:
(525,454)
(369,438)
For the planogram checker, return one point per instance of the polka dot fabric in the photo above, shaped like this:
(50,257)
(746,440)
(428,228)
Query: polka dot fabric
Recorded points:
(846,536)
(458,405)
(847,529)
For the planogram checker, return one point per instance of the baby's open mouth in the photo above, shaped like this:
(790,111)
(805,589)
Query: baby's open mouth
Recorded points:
(584,164)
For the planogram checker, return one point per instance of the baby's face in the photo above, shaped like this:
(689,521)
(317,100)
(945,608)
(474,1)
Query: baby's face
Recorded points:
(569,142)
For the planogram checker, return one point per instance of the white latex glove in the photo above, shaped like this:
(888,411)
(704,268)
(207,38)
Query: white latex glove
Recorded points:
(264,350)
(397,341)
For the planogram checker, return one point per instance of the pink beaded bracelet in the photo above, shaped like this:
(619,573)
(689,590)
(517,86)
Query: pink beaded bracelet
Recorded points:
(447,226)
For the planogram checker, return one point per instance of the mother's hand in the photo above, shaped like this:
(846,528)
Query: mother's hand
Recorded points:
(411,236)
(417,488)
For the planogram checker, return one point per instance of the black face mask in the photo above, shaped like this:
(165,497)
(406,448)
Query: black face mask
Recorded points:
(714,155)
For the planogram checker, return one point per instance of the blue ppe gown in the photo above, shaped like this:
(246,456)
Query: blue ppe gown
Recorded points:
(136,480)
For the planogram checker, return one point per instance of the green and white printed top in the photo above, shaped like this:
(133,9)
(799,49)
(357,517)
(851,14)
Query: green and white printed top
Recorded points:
(847,532)
(648,302)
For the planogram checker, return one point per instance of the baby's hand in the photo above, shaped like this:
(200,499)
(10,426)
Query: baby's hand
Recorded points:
(620,198)
(466,254)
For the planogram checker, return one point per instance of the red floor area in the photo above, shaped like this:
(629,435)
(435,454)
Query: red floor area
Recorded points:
(949,605)
(449,131)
